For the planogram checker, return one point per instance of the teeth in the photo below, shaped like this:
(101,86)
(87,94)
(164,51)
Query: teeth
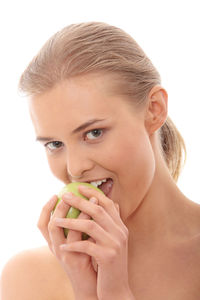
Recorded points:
(97,183)
(93,183)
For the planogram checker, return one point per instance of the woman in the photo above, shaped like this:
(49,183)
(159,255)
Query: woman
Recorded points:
(99,109)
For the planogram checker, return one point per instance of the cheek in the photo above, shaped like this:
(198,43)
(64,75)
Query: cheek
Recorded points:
(58,169)
(139,162)
(144,165)
(136,167)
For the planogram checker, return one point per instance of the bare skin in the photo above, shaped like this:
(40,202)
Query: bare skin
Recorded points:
(164,225)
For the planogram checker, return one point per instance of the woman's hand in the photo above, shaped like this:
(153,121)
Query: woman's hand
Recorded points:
(78,266)
(110,246)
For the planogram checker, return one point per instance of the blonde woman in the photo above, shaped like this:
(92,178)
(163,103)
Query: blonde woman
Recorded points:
(100,111)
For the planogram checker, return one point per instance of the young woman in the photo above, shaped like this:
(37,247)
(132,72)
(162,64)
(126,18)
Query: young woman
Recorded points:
(99,109)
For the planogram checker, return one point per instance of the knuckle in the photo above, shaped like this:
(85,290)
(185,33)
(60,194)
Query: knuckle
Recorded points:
(91,225)
(89,246)
(117,248)
(98,210)
(51,226)
(60,206)
(111,256)
(77,200)
(41,224)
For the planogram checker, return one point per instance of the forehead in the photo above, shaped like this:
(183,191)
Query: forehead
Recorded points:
(76,100)
(77,89)
(87,91)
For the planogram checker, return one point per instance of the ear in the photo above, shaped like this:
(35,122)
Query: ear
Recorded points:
(156,109)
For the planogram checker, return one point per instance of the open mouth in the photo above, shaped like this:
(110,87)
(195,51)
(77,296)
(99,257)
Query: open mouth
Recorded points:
(104,185)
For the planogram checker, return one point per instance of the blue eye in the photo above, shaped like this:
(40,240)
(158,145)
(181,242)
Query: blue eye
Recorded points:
(94,134)
(53,145)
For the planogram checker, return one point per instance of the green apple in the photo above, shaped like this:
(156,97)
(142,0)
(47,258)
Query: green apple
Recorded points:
(73,212)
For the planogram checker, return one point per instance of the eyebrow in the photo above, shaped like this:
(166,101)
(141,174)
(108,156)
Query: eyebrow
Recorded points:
(44,138)
(78,129)
(86,124)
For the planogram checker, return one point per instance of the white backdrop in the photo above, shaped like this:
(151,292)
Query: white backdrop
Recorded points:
(168,31)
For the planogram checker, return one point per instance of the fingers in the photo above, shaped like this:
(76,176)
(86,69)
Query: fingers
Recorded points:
(54,234)
(104,202)
(110,207)
(88,226)
(102,228)
(98,213)
(57,234)
(106,228)
(73,235)
(101,254)
(45,217)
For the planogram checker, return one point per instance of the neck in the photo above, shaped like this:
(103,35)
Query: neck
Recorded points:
(163,213)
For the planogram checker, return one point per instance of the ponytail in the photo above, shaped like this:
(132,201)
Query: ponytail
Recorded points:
(173,148)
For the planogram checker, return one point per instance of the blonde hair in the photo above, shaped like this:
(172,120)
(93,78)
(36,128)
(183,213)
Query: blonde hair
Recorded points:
(98,47)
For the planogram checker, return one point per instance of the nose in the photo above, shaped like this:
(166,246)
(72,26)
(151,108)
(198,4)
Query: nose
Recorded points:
(78,163)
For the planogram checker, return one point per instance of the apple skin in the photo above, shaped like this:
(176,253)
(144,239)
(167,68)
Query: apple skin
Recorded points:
(73,212)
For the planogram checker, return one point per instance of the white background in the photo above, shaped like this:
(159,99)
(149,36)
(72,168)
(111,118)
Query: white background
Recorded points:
(168,31)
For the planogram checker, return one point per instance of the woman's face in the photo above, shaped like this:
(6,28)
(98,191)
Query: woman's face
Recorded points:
(93,134)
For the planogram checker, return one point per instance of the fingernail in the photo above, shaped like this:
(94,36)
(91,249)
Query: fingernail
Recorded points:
(63,247)
(83,187)
(68,195)
(93,200)
(58,220)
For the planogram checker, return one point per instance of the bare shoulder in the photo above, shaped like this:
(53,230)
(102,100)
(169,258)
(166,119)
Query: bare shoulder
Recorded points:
(35,274)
